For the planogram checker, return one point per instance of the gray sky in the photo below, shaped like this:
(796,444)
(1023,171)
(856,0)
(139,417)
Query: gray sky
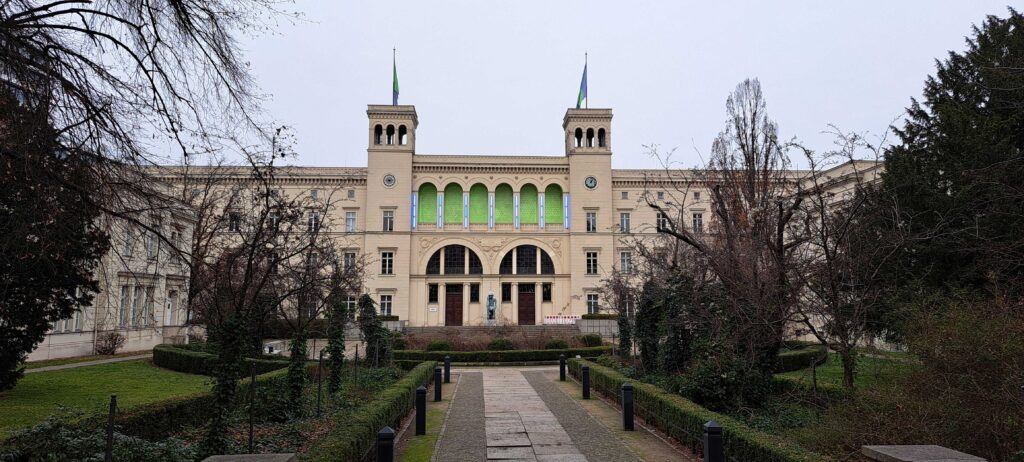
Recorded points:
(490,77)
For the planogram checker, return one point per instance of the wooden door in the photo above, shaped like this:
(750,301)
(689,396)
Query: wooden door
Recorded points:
(527,304)
(453,304)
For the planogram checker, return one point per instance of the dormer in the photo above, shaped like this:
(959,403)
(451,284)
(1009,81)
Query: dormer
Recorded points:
(392,128)
(588,131)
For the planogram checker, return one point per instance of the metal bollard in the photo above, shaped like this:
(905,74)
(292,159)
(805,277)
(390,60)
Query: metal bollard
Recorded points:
(108,455)
(714,451)
(447,369)
(586,382)
(627,407)
(421,410)
(386,445)
(561,367)
(437,384)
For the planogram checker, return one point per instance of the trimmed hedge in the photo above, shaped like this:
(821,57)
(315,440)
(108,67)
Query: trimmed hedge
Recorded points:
(501,356)
(600,316)
(354,435)
(684,420)
(800,358)
(191,361)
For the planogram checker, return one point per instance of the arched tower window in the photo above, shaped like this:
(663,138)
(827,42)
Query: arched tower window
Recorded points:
(378,134)
(528,207)
(590,137)
(454,259)
(503,206)
(600,138)
(553,204)
(427,203)
(579,137)
(403,135)
(453,203)
(391,134)
(478,204)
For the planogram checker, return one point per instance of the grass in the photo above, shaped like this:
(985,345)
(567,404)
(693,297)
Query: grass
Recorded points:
(79,359)
(41,394)
(871,370)
(421,448)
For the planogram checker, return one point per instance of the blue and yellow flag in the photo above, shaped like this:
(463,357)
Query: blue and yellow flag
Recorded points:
(583,88)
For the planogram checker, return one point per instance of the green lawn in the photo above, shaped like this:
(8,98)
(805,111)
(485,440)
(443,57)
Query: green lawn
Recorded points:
(38,395)
(872,368)
(79,359)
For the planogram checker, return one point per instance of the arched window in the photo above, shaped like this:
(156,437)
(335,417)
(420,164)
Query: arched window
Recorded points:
(391,134)
(503,207)
(402,135)
(478,204)
(453,203)
(527,258)
(427,203)
(378,133)
(579,137)
(553,204)
(528,204)
(590,137)
(453,259)
(600,138)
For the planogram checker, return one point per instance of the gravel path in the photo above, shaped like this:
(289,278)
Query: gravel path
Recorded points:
(463,437)
(592,438)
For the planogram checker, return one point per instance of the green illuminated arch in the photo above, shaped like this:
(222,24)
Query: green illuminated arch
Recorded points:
(528,204)
(453,203)
(427,197)
(503,207)
(478,204)
(553,204)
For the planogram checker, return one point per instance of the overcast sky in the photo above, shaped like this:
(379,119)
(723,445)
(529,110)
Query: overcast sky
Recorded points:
(495,77)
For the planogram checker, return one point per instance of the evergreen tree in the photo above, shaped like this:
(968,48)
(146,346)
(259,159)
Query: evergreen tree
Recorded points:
(648,316)
(374,334)
(337,317)
(959,170)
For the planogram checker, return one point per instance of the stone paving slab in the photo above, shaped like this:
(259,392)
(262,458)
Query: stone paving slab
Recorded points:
(519,423)
(464,438)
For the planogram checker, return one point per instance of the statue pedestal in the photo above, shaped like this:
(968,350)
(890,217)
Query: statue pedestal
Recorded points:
(490,323)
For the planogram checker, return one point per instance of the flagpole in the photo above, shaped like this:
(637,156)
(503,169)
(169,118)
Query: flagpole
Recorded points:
(588,89)
(394,68)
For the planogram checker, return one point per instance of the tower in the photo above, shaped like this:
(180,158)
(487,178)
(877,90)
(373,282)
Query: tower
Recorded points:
(588,131)
(392,128)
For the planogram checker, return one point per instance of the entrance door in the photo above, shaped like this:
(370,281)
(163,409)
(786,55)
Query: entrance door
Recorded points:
(527,304)
(453,304)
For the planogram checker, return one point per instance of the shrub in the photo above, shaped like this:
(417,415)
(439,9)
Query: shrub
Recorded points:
(500,356)
(354,435)
(438,345)
(108,343)
(681,419)
(556,344)
(388,317)
(176,358)
(724,383)
(399,341)
(591,340)
(500,344)
(800,358)
(600,316)
(55,439)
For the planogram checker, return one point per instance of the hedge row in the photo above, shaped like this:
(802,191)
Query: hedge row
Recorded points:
(354,434)
(600,316)
(198,362)
(501,356)
(684,420)
(801,358)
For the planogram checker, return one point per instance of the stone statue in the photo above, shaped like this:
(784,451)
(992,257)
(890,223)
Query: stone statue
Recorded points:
(492,308)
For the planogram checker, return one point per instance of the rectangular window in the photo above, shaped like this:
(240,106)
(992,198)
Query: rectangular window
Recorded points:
(351,193)
(314,194)
(661,221)
(661,195)
(129,241)
(273,219)
(126,301)
(545,292)
(626,262)
(506,292)
(474,293)
(625,194)
(351,304)
(696,195)
(177,247)
(431,293)
(389,221)
(350,222)
(234,221)
(149,306)
(592,304)
(591,262)
(387,263)
(624,222)
(591,222)
(313,225)
(698,223)
(349,261)
(137,302)
(385,305)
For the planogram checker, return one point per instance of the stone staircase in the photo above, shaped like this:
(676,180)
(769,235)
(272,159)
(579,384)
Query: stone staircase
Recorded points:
(532,332)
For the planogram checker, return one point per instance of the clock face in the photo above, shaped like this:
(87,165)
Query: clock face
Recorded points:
(389,180)
(590,182)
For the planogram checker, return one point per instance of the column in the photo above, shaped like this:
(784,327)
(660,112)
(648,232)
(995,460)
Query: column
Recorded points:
(465,304)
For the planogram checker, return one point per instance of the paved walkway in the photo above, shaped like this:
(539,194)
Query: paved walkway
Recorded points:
(87,363)
(520,414)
